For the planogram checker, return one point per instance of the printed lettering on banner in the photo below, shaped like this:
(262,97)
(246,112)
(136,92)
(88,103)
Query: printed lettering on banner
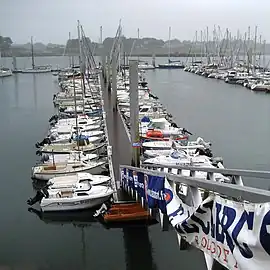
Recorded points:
(235,234)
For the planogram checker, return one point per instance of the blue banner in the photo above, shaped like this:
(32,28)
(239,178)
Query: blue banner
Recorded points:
(140,187)
(155,192)
(149,187)
(130,180)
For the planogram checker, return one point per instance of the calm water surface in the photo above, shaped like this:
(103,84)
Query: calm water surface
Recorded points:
(233,118)
(32,242)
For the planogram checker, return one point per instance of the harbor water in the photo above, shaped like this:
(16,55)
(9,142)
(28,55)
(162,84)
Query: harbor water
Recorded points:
(233,118)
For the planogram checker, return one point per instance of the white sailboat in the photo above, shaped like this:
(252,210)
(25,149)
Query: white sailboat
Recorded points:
(35,68)
(171,64)
(4,72)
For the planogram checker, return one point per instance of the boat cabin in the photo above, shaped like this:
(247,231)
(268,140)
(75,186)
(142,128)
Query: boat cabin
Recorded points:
(159,123)
(231,73)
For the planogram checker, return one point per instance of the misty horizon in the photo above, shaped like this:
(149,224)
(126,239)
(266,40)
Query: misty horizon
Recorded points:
(51,21)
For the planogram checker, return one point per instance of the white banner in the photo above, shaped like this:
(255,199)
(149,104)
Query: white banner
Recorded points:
(236,234)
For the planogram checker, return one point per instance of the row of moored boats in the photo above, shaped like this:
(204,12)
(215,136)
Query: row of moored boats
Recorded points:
(254,78)
(163,143)
(72,172)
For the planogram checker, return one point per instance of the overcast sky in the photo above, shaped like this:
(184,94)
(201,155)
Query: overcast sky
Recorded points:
(51,20)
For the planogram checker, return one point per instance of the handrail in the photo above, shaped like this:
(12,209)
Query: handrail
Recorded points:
(234,172)
(243,193)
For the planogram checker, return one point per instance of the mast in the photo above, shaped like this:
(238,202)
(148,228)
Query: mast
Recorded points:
(207,45)
(169,54)
(81,63)
(213,50)
(264,43)
(32,53)
(245,48)
(201,47)
(76,116)
(195,51)
(255,47)
(249,49)
(260,53)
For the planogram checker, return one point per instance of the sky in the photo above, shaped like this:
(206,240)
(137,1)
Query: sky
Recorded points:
(50,21)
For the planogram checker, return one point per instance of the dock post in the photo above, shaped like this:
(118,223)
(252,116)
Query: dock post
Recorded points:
(134,112)
(114,84)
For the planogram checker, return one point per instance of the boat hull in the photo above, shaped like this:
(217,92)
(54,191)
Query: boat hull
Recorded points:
(170,66)
(73,206)
(35,71)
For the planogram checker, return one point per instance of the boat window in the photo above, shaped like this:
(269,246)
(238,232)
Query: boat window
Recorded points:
(157,125)
(82,122)
(82,194)
(176,155)
(144,109)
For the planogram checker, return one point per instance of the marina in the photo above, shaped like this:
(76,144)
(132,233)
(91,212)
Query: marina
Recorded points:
(236,59)
(91,132)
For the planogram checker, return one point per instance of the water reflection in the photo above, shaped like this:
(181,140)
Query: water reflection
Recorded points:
(138,245)
(16,91)
(135,235)
(35,90)
(79,219)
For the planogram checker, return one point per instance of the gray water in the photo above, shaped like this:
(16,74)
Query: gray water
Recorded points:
(54,242)
(233,118)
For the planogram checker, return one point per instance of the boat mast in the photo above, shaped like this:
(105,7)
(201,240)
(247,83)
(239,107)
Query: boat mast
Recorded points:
(207,46)
(81,63)
(245,48)
(248,49)
(260,53)
(32,53)
(264,44)
(201,47)
(214,45)
(169,53)
(195,50)
(76,116)
(255,45)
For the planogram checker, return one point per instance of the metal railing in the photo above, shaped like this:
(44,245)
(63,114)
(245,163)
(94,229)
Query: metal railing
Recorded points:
(235,189)
(198,189)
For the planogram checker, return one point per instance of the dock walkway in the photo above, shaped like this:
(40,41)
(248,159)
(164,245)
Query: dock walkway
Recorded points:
(118,138)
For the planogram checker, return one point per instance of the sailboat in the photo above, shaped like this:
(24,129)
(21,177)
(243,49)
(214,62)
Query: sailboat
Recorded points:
(35,68)
(171,64)
(4,72)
